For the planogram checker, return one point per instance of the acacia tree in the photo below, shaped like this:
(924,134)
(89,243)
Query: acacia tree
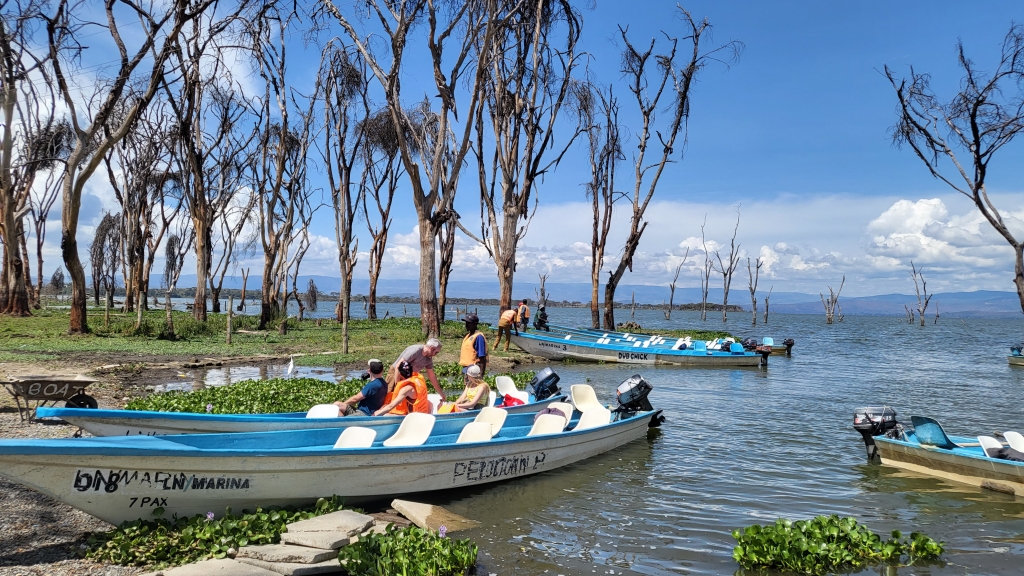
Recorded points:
(382,171)
(649,77)
(156,27)
(529,79)
(728,266)
(967,130)
(451,31)
(59,139)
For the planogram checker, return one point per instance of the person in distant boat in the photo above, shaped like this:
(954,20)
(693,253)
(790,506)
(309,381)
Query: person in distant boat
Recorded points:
(409,395)
(371,397)
(541,322)
(421,358)
(523,311)
(474,397)
(506,324)
(474,345)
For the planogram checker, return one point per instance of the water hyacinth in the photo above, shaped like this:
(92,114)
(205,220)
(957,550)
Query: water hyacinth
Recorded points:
(209,408)
(209,516)
(442,531)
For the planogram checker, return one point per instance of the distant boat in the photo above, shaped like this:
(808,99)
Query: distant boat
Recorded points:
(1016,358)
(653,350)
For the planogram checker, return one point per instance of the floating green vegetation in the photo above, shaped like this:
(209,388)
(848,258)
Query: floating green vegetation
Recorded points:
(826,544)
(161,542)
(450,376)
(410,551)
(251,397)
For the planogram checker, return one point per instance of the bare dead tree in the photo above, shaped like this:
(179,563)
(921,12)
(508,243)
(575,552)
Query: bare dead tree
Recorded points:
(832,302)
(753,274)
(532,58)
(767,296)
(975,123)
(705,279)
(600,109)
(245,280)
(312,296)
(650,76)
(672,286)
(728,266)
(451,31)
(383,170)
(922,301)
(542,294)
(155,31)
(98,255)
(910,314)
(57,282)
(449,225)
(174,259)
(936,313)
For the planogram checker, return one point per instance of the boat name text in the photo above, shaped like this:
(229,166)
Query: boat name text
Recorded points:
(493,468)
(632,356)
(111,480)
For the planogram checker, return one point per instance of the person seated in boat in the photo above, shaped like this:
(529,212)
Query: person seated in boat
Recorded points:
(409,395)
(541,321)
(474,397)
(508,322)
(421,358)
(371,397)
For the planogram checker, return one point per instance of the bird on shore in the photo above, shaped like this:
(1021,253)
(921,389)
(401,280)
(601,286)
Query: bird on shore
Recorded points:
(291,365)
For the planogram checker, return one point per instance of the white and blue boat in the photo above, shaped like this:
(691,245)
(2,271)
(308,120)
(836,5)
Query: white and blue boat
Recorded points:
(617,347)
(126,478)
(924,447)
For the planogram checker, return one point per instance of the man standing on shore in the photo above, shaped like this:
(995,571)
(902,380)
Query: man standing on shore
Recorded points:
(474,345)
(524,315)
(421,358)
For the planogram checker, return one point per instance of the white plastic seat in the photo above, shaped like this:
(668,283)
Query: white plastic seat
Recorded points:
(324,411)
(547,424)
(414,430)
(583,397)
(493,416)
(1015,439)
(593,418)
(435,402)
(990,446)
(565,407)
(491,397)
(505,385)
(356,437)
(475,432)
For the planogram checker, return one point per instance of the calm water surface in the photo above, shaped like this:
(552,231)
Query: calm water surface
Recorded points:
(744,446)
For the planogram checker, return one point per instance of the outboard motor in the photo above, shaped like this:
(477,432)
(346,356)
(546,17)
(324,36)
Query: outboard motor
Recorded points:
(788,343)
(544,384)
(632,396)
(749,344)
(873,421)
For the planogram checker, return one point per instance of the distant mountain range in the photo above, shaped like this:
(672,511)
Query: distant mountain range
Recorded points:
(959,304)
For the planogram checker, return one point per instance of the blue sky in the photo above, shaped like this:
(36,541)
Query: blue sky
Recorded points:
(795,134)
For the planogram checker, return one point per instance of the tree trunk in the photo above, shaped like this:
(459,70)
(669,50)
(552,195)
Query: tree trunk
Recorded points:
(215,295)
(78,322)
(753,306)
(1018,273)
(371,305)
(202,268)
(245,279)
(505,276)
(595,311)
(33,300)
(609,306)
(268,296)
(346,309)
(429,319)
(14,269)
(168,318)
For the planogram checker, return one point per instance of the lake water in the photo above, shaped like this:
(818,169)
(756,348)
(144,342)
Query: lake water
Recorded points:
(743,446)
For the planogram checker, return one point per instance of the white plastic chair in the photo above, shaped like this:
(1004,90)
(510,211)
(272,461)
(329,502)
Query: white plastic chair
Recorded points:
(565,407)
(990,446)
(435,402)
(356,437)
(491,397)
(493,416)
(593,418)
(1015,439)
(583,397)
(324,411)
(505,385)
(475,432)
(547,424)
(414,430)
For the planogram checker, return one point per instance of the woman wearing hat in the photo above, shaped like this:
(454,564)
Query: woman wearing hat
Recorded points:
(474,397)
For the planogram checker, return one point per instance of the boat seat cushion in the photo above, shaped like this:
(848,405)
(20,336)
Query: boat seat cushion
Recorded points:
(324,411)
(493,416)
(593,418)
(356,437)
(475,432)
(547,424)
(414,430)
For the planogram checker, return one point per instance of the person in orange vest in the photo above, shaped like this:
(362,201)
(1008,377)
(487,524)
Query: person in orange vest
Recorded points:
(506,324)
(524,315)
(409,395)
(474,345)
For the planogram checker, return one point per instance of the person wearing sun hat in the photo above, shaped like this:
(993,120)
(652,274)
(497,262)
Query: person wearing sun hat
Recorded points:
(371,397)
(474,397)
(474,346)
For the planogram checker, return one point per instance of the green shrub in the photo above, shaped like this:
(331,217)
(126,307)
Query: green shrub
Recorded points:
(826,544)
(162,542)
(449,375)
(251,397)
(409,551)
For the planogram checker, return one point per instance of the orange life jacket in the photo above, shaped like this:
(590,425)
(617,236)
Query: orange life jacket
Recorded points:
(468,356)
(524,312)
(508,317)
(420,404)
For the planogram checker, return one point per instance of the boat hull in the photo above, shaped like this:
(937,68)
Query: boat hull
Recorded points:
(958,465)
(1015,360)
(133,423)
(127,484)
(566,349)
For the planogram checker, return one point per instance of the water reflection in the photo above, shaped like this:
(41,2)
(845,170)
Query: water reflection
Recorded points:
(199,378)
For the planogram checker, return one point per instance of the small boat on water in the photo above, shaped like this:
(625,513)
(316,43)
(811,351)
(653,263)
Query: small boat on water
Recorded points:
(126,478)
(922,446)
(1016,357)
(750,344)
(151,423)
(652,350)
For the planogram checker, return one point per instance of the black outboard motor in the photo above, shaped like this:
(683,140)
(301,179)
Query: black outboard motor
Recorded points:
(544,384)
(749,344)
(788,343)
(632,396)
(873,421)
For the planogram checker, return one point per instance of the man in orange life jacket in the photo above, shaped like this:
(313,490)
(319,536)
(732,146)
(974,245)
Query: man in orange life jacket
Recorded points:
(409,395)
(506,324)
(523,312)
(474,346)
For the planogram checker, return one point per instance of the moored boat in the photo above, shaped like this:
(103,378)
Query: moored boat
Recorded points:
(923,447)
(125,478)
(590,349)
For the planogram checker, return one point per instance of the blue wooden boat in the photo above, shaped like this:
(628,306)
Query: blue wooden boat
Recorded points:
(559,346)
(130,477)
(925,448)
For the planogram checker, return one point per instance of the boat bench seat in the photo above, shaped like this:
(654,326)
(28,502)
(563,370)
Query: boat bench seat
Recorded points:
(593,418)
(583,397)
(505,385)
(495,417)
(324,411)
(564,407)
(547,424)
(475,432)
(1015,439)
(414,430)
(356,437)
